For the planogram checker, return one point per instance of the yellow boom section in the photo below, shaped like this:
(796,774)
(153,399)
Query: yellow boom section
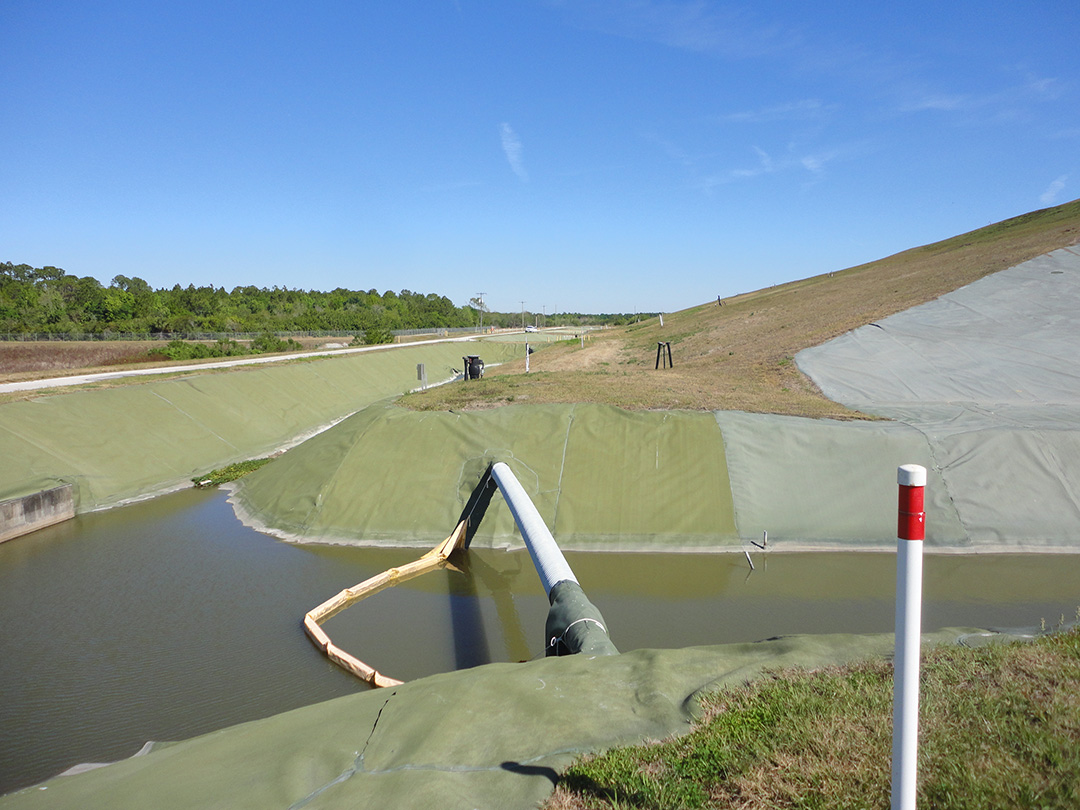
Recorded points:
(436,558)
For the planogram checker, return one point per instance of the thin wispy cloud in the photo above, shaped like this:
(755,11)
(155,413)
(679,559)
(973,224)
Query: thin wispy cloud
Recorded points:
(816,163)
(1053,191)
(938,101)
(512,148)
(692,25)
(1047,88)
(735,31)
(767,165)
(792,162)
(1003,103)
(796,110)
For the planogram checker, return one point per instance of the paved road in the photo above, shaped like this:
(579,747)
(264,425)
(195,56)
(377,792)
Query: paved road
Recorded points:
(80,379)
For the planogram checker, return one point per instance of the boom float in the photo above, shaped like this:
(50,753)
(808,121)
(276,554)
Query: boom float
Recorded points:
(573,623)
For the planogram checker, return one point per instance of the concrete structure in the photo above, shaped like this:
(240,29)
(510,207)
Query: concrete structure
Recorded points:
(29,513)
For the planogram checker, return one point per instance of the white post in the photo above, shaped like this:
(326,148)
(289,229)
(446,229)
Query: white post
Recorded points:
(910,532)
(526,357)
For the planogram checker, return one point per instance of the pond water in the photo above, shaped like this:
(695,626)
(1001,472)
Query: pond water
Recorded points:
(167,619)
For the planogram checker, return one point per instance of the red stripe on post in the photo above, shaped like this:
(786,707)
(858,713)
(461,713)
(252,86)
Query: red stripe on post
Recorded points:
(911,517)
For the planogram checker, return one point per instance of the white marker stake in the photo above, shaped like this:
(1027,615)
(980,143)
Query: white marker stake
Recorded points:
(910,532)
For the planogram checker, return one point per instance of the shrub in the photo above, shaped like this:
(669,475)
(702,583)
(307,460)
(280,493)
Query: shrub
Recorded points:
(267,342)
(377,334)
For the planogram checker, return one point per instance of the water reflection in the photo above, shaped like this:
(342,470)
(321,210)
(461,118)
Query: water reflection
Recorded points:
(169,618)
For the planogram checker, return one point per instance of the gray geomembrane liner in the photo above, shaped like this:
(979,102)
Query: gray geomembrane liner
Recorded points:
(989,376)
(1009,339)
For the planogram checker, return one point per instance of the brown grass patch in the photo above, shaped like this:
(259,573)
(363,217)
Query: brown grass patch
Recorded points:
(35,360)
(22,360)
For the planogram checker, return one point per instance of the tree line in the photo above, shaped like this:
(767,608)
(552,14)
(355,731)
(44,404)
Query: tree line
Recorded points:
(51,301)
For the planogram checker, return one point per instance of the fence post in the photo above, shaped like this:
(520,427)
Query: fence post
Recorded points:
(910,532)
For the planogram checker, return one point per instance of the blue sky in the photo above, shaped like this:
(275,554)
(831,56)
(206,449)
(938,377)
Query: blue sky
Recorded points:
(598,156)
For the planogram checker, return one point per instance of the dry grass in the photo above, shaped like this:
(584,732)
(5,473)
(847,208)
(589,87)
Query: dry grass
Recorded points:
(27,360)
(739,356)
(35,360)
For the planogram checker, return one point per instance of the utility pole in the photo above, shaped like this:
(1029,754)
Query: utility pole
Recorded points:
(522,314)
(480,298)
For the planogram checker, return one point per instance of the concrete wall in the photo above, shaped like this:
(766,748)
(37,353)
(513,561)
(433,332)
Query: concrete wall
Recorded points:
(20,516)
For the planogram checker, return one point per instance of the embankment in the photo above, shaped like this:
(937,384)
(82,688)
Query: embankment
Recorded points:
(123,443)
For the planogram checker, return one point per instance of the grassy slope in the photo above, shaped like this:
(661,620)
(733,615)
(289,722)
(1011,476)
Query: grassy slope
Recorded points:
(999,727)
(739,356)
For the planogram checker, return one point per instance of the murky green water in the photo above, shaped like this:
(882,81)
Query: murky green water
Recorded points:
(168,619)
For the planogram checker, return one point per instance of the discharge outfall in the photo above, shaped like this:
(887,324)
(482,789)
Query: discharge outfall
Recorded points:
(573,624)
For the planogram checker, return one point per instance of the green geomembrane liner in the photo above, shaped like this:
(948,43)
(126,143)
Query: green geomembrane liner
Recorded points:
(127,442)
(600,477)
(491,736)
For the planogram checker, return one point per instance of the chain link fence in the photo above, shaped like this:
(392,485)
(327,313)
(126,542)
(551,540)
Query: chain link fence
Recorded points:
(168,336)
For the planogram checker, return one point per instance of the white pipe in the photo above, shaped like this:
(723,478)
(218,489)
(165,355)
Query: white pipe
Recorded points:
(909,549)
(550,563)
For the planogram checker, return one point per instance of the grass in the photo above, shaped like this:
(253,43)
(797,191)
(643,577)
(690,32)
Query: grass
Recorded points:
(230,473)
(999,727)
(740,356)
